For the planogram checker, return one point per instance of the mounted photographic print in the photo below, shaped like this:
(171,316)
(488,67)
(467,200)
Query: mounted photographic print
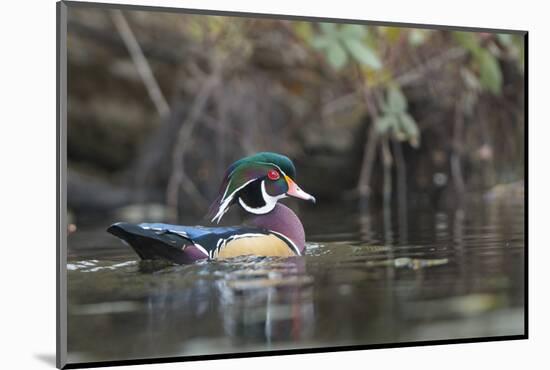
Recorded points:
(234,184)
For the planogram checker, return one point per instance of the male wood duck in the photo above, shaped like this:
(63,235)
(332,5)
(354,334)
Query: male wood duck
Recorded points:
(256,184)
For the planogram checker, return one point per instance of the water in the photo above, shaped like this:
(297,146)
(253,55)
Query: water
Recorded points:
(365,279)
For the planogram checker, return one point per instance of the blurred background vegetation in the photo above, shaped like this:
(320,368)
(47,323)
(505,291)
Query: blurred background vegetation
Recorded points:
(159,104)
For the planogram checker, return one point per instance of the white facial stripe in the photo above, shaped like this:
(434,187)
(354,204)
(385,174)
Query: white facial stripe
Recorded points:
(227,200)
(267,198)
(269,201)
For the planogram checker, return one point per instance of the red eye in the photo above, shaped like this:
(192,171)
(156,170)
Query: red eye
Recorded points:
(273,175)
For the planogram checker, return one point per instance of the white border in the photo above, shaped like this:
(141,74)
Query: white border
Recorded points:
(28,186)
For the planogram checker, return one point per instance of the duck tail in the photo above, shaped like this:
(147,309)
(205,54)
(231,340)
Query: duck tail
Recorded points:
(150,245)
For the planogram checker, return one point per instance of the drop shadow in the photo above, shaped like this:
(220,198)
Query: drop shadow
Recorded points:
(47,358)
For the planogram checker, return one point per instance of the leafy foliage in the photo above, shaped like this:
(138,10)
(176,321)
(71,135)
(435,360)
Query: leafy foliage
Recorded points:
(371,48)
(490,74)
(395,119)
(418,37)
(342,43)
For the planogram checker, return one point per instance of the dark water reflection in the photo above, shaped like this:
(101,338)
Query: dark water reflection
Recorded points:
(364,280)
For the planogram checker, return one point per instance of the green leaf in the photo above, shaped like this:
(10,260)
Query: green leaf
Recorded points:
(505,39)
(328,28)
(490,74)
(303,30)
(385,107)
(363,53)
(398,134)
(393,34)
(410,128)
(408,124)
(470,79)
(353,31)
(417,37)
(320,42)
(396,100)
(337,56)
(385,123)
(514,46)
(468,41)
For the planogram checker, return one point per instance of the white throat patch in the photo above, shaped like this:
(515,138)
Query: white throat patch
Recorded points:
(269,201)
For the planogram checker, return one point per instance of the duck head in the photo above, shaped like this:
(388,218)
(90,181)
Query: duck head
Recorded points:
(257,183)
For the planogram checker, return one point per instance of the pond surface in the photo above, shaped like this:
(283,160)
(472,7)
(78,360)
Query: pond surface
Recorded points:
(365,279)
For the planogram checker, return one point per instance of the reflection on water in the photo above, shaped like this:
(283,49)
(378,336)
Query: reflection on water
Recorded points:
(366,279)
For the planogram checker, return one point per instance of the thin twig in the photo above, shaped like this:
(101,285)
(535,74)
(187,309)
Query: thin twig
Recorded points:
(221,128)
(430,65)
(341,103)
(369,154)
(141,63)
(387,164)
(456,166)
(174,49)
(401,169)
(178,175)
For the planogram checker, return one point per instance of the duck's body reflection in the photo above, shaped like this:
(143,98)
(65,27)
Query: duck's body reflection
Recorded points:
(256,303)
(272,304)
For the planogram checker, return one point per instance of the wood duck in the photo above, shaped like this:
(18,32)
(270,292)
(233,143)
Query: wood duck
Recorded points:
(256,184)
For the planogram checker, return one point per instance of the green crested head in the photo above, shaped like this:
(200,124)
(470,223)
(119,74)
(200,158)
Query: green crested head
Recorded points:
(267,158)
(257,182)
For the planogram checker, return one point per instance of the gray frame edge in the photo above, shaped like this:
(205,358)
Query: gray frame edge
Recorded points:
(288,17)
(61,188)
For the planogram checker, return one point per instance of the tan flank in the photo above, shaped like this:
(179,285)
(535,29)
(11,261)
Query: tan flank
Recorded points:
(265,245)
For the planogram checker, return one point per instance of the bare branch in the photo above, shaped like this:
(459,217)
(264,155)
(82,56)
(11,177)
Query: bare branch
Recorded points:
(141,63)
(369,154)
(341,103)
(401,171)
(418,73)
(178,175)
(456,156)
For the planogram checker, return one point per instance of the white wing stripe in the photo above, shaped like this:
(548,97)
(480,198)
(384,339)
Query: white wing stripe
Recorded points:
(290,242)
(201,248)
